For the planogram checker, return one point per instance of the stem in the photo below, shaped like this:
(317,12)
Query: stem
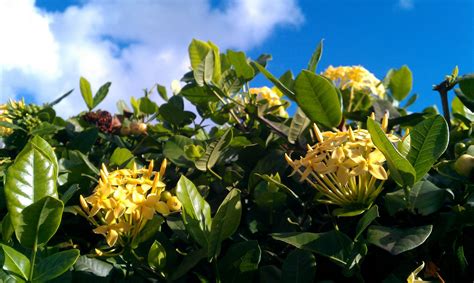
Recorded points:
(443,89)
(216,268)
(32,261)
(232,113)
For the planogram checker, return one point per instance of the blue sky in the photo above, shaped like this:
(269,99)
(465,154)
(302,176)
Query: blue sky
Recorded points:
(144,41)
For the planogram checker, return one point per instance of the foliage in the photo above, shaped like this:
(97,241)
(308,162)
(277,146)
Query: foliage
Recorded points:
(254,190)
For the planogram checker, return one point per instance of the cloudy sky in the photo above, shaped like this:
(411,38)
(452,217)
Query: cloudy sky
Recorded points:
(48,44)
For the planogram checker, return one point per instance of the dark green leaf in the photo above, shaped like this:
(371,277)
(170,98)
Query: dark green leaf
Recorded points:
(240,262)
(428,141)
(196,211)
(7,228)
(32,177)
(188,263)
(14,262)
(298,124)
(59,99)
(400,82)
(398,240)
(466,84)
(313,63)
(101,94)
(240,63)
(318,98)
(411,100)
(468,102)
(274,80)
(197,95)
(147,106)
(157,256)
(174,150)
(148,231)
(162,92)
(74,188)
(55,265)
(39,221)
(225,222)
(299,266)
(365,221)
(93,265)
(401,170)
(214,151)
(86,92)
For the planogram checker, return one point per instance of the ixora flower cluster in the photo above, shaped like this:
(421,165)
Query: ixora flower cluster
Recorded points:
(19,114)
(355,78)
(272,98)
(125,199)
(344,166)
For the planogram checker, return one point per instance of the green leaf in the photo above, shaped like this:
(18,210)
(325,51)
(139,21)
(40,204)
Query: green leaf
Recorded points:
(400,82)
(468,102)
(14,262)
(203,73)
(400,168)
(162,92)
(216,69)
(196,211)
(157,256)
(122,157)
(230,83)
(188,263)
(55,265)
(240,262)
(333,244)
(86,92)
(428,141)
(411,100)
(93,265)
(365,221)
(7,228)
(214,151)
(398,240)
(466,84)
(197,52)
(299,266)
(225,222)
(274,80)
(148,231)
(39,221)
(313,63)
(32,177)
(174,150)
(298,124)
(241,65)
(197,95)
(101,94)
(147,106)
(318,98)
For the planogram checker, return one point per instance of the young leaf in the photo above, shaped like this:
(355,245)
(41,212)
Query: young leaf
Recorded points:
(55,265)
(298,124)
(400,82)
(400,168)
(313,63)
(241,66)
(214,151)
(101,94)
(299,266)
(428,141)
(86,92)
(162,92)
(203,73)
(197,52)
(397,240)
(196,211)
(225,222)
(15,263)
(318,98)
(32,177)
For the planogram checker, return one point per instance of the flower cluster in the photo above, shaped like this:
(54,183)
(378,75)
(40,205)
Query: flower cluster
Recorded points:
(125,199)
(4,131)
(272,98)
(20,114)
(355,78)
(103,120)
(344,166)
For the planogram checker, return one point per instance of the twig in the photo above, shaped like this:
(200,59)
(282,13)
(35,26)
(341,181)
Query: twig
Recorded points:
(443,89)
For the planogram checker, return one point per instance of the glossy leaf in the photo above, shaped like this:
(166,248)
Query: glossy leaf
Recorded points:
(157,256)
(14,262)
(101,94)
(93,265)
(298,124)
(366,220)
(39,221)
(400,82)
(86,92)
(196,211)
(333,244)
(401,170)
(240,262)
(316,57)
(428,141)
(299,266)
(398,240)
(318,99)
(466,84)
(32,177)
(55,265)
(290,94)
(214,151)
(225,222)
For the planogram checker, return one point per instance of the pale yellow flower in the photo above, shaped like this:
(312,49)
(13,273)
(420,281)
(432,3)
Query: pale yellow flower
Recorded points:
(271,97)
(4,131)
(345,166)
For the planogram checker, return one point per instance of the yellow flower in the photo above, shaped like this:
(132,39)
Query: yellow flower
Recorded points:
(4,131)
(124,200)
(272,98)
(355,78)
(345,166)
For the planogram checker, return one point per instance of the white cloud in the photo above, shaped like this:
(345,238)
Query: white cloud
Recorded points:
(406,4)
(133,43)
